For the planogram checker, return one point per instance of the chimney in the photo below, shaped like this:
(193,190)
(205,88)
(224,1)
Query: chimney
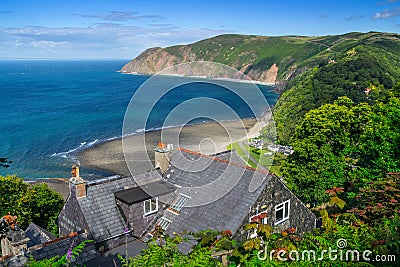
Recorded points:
(13,239)
(77,185)
(162,156)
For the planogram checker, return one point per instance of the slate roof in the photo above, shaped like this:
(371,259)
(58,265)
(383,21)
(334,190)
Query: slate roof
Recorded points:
(99,206)
(229,155)
(60,246)
(37,235)
(222,192)
(110,257)
(144,192)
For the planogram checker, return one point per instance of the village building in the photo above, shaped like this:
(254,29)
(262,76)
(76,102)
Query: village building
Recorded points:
(188,191)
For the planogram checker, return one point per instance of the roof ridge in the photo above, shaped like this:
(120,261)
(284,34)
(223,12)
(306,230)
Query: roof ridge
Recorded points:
(224,161)
(45,244)
(105,180)
(43,232)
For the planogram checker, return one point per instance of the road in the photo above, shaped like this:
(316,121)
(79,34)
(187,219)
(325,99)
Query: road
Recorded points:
(251,158)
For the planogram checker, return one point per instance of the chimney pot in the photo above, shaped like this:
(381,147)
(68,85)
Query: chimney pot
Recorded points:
(77,184)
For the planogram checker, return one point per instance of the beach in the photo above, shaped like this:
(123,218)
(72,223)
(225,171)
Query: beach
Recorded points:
(206,138)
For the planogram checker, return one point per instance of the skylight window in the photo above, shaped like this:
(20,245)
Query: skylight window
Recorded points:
(179,202)
(164,223)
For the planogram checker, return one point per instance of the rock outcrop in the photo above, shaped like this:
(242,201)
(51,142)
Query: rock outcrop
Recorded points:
(262,58)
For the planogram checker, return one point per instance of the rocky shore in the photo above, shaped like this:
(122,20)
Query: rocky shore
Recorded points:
(207,138)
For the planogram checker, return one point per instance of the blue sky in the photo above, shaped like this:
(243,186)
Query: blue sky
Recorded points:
(124,28)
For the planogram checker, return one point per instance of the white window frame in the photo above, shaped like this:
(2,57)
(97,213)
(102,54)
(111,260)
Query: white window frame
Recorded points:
(285,213)
(151,211)
(253,234)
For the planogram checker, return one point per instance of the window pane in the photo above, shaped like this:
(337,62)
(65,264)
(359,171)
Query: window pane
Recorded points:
(153,204)
(286,209)
(146,206)
(279,214)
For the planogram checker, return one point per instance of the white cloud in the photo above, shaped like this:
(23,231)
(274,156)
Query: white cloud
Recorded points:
(354,17)
(106,40)
(387,13)
(119,16)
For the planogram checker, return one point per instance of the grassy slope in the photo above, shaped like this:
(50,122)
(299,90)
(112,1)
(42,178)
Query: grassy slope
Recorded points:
(262,52)
(288,52)
(361,61)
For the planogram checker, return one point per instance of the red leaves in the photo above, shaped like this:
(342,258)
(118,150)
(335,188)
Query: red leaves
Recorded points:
(291,230)
(377,243)
(258,218)
(262,215)
(334,191)
(227,233)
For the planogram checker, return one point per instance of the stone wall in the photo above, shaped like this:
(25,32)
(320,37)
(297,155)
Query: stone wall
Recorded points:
(71,218)
(134,214)
(275,193)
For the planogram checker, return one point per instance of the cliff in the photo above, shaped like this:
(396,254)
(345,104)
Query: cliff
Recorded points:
(261,58)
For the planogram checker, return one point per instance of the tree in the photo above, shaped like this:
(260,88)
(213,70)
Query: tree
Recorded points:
(343,145)
(4,162)
(380,141)
(12,189)
(41,205)
(31,203)
(323,149)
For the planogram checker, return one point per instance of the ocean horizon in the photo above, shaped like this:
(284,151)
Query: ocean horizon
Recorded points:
(53,109)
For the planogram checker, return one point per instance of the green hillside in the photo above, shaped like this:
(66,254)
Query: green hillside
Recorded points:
(355,64)
(310,71)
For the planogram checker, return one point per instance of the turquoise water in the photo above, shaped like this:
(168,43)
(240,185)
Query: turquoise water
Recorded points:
(52,109)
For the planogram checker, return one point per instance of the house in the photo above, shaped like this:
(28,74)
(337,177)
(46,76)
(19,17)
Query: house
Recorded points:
(286,150)
(188,191)
(18,245)
(257,143)
(219,192)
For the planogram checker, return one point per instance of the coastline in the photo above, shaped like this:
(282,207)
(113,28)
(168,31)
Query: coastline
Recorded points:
(206,138)
(273,84)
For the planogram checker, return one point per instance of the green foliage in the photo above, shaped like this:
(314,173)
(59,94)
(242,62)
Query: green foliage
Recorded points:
(343,145)
(361,230)
(378,200)
(255,54)
(380,140)
(164,251)
(41,205)
(368,63)
(31,203)
(12,189)
(363,227)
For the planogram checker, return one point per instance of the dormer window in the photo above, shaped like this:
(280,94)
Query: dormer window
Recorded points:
(150,206)
(282,212)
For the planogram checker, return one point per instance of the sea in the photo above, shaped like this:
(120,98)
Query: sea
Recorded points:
(52,109)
